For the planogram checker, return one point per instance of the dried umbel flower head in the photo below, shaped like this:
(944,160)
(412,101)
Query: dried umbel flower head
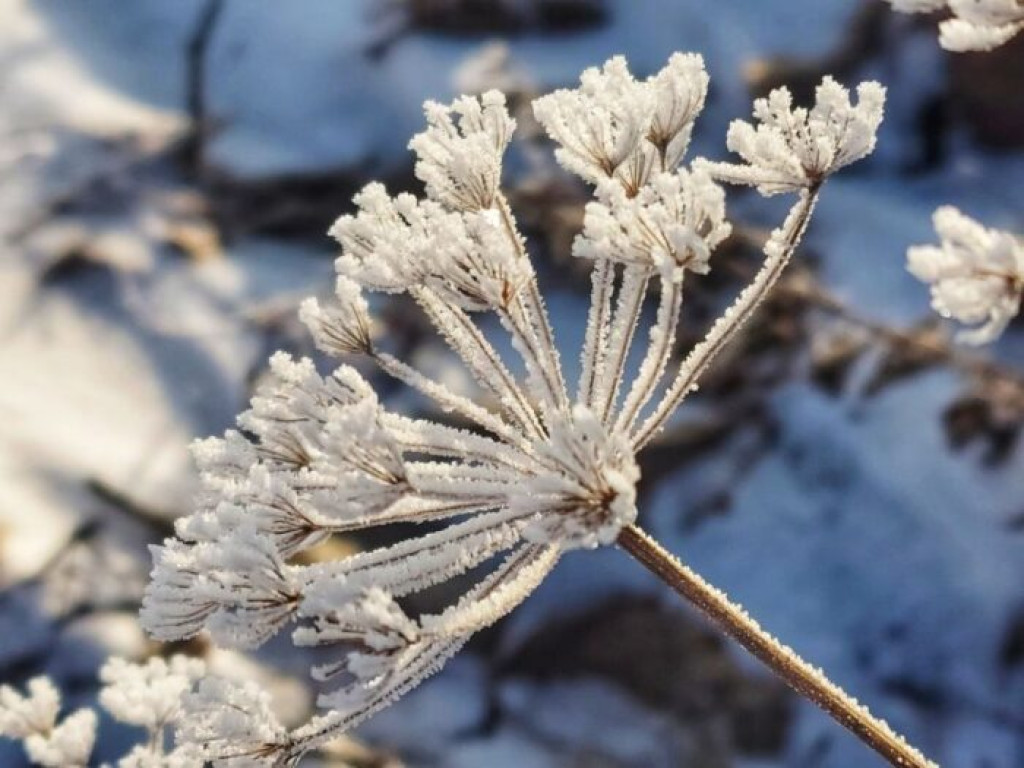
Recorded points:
(977,25)
(541,470)
(976,274)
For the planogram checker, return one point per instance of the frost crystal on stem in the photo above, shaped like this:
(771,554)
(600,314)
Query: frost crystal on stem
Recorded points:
(976,25)
(976,274)
(538,470)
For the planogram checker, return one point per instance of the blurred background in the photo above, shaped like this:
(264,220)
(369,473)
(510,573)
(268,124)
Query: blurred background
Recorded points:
(167,173)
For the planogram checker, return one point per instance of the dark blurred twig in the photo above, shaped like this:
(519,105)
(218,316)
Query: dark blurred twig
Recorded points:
(194,145)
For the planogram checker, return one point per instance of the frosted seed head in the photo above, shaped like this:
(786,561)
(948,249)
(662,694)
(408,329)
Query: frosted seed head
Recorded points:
(384,243)
(173,607)
(793,148)
(149,694)
(372,625)
(476,263)
(69,745)
(530,476)
(601,126)
(343,327)
(237,588)
(678,94)
(459,155)
(976,275)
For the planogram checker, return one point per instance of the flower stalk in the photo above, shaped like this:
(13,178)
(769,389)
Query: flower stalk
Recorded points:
(801,676)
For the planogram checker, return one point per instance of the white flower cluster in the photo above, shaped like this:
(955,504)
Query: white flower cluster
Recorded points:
(539,471)
(614,127)
(796,148)
(976,274)
(976,25)
(148,695)
(33,719)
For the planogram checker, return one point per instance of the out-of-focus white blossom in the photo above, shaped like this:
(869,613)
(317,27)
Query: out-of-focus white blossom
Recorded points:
(540,471)
(68,745)
(145,756)
(148,695)
(794,148)
(976,274)
(491,67)
(343,326)
(35,712)
(231,723)
(976,25)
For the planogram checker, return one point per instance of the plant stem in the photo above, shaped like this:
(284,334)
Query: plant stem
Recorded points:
(805,679)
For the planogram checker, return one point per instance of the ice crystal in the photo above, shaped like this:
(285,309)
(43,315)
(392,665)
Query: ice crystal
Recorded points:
(976,274)
(535,470)
(976,25)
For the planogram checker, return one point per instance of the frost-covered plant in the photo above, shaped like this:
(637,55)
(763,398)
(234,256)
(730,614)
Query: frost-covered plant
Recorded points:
(32,718)
(976,274)
(145,695)
(539,469)
(976,25)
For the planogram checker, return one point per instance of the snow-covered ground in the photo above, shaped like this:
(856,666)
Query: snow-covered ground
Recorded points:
(859,536)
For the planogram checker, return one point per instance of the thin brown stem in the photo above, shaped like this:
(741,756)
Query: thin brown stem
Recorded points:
(956,357)
(778,251)
(797,673)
